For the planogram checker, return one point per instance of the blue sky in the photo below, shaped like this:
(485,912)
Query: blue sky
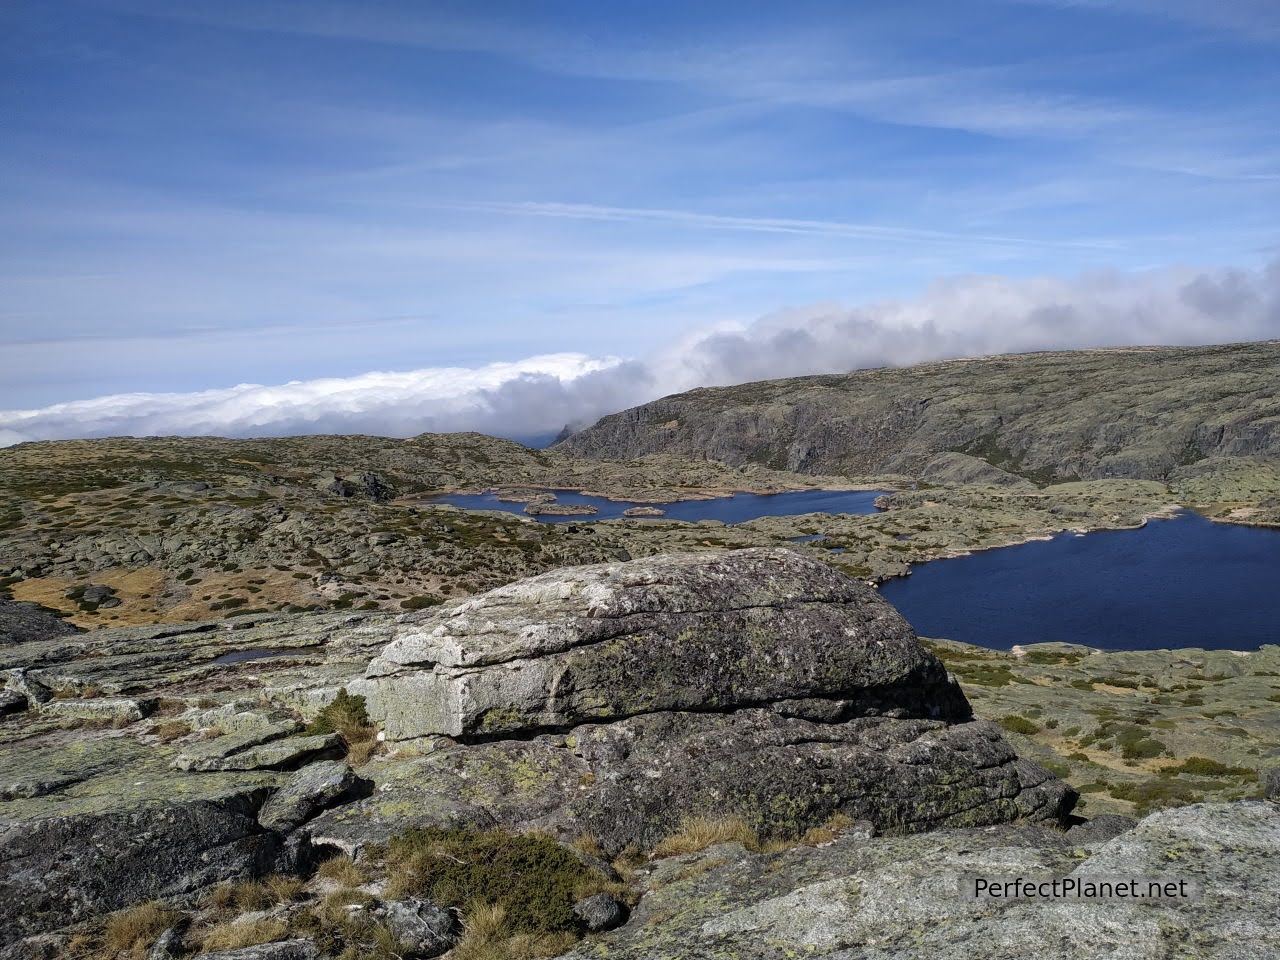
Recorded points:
(198,195)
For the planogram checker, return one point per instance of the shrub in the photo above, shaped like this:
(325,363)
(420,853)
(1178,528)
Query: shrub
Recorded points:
(531,877)
(1016,724)
(1205,767)
(421,602)
(347,716)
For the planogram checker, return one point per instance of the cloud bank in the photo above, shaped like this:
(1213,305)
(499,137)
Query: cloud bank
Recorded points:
(960,317)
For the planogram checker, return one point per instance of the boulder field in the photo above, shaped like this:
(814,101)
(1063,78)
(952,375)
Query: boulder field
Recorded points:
(612,703)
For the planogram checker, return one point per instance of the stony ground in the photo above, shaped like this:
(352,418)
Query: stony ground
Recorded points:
(1134,731)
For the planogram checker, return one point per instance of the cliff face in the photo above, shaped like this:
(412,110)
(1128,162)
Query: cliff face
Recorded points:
(1138,412)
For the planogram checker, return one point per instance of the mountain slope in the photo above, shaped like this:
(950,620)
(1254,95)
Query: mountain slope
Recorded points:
(1134,412)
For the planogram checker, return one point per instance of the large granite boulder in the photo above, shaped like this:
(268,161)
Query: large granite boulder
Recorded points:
(680,632)
(618,700)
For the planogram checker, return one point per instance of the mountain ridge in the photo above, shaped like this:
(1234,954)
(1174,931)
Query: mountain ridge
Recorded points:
(1136,412)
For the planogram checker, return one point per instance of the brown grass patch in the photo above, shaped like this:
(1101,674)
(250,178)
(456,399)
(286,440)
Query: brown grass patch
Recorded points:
(135,929)
(487,936)
(233,936)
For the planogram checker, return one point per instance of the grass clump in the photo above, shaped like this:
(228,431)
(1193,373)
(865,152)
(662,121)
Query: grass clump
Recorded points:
(133,931)
(250,895)
(531,878)
(346,715)
(698,833)
(343,870)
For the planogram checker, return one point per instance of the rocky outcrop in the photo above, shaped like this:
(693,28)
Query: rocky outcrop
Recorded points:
(1135,412)
(960,469)
(619,699)
(892,897)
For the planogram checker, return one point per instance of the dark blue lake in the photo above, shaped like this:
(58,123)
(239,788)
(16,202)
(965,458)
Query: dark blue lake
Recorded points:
(736,509)
(1185,582)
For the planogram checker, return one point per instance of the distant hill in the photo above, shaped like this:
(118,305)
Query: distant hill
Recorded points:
(1126,412)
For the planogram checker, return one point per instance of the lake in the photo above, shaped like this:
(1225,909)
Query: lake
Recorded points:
(736,509)
(1184,582)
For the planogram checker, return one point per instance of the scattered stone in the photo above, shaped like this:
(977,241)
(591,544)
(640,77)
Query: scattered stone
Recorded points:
(423,929)
(312,789)
(26,684)
(11,701)
(601,912)
(167,946)
(538,508)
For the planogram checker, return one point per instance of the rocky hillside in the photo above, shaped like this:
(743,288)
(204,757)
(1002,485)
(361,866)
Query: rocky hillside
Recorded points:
(228,779)
(1139,412)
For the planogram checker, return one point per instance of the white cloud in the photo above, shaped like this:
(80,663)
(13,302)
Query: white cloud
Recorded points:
(964,316)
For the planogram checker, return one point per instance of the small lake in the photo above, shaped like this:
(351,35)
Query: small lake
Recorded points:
(1185,582)
(736,509)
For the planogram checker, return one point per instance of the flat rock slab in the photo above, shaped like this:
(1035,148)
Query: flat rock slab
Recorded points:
(894,897)
(198,756)
(708,632)
(283,950)
(285,754)
(118,710)
(306,793)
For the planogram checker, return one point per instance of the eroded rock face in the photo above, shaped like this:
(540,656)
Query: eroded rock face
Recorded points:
(696,632)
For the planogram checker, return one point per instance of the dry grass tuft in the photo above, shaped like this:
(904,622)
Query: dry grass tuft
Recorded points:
(135,929)
(171,730)
(698,833)
(249,895)
(283,888)
(488,936)
(342,869)
(251,933)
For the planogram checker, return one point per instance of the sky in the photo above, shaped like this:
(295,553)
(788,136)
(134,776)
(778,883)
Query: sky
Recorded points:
(264,217)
